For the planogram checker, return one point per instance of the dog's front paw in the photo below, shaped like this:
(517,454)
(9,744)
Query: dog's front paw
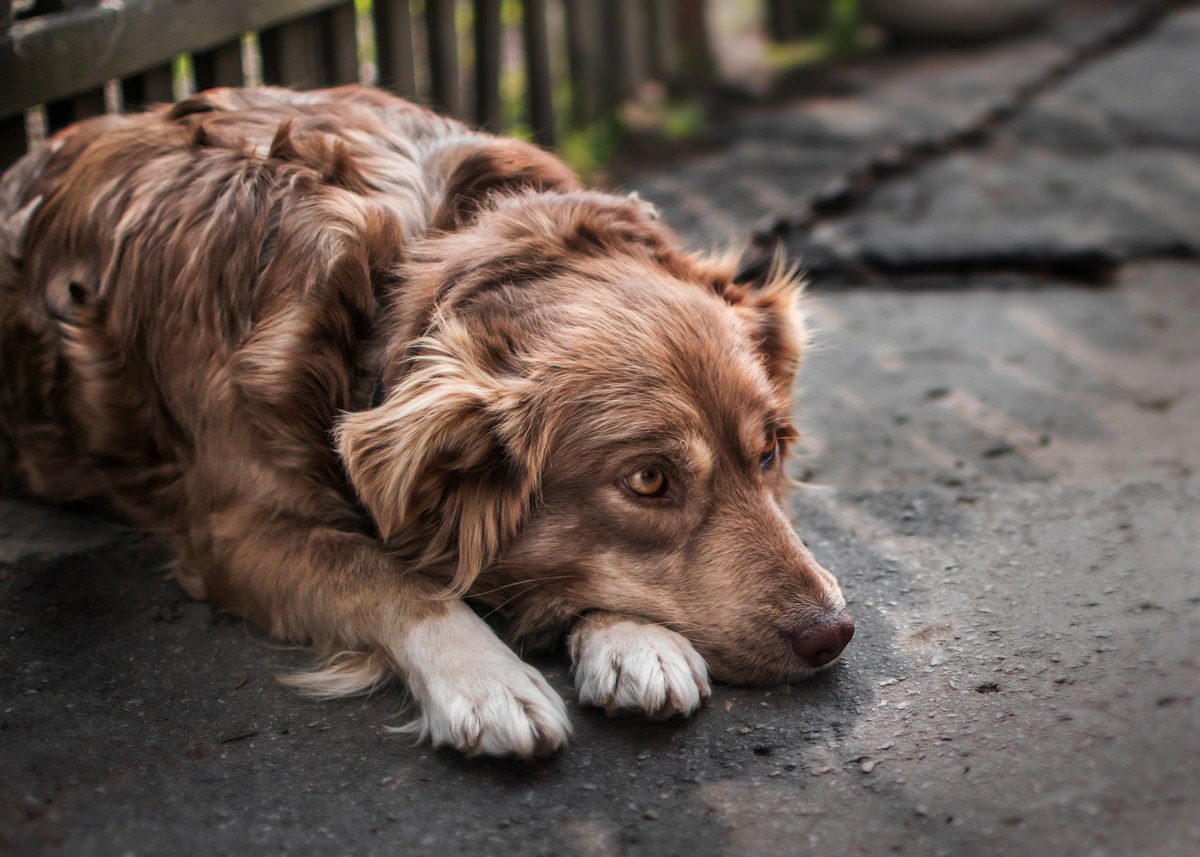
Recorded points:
(631,666)
(477,696)
(507,712)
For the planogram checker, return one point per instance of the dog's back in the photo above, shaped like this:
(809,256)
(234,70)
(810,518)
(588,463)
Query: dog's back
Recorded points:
(173,276)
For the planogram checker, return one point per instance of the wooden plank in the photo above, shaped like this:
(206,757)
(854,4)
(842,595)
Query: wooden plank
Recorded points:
(582,25)
(537,69)
(55,56)
(488,111)
(221,66)
(12,139)
(293,54)
(394,47)
(314,51)
(443,56)
(152,87)
(340,44)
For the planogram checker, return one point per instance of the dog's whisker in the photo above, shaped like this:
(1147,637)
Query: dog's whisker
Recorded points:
(510,599)
(694,633)
(537,580)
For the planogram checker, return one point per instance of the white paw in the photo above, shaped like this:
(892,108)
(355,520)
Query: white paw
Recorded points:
(630,666)
(475,694)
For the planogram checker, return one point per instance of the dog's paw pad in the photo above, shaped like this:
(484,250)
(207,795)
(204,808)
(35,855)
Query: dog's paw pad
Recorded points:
(634,667)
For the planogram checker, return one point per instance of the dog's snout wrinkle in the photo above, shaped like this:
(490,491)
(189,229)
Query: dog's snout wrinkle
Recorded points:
(820,643)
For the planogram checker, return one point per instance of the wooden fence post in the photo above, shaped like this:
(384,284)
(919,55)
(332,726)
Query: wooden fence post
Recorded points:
(443,56)
(293,54)
(660,47)
(697,60)
(488,110)
(537,67)
(394,47)
(339,38)
(616,84)
(582,24)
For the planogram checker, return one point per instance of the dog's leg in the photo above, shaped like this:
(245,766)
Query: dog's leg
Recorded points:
(341,593)
(625,664)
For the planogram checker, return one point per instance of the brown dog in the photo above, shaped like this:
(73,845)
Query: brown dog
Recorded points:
(355,362)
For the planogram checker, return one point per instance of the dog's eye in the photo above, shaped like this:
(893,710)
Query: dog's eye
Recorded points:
(647,482)
(768,458)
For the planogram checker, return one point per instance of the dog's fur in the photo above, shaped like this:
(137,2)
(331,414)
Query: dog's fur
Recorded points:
(354,361)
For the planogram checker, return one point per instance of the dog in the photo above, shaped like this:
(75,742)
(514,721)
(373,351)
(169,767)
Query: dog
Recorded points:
(364,369)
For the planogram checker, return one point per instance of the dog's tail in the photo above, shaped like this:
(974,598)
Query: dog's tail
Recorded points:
(345,674)
(358,674)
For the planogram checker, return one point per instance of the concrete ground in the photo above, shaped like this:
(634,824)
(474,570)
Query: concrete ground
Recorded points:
(1006,483)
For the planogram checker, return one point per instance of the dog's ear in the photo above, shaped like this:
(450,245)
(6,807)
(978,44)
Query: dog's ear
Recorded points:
(500,167)
(777,322)
(773,311)
(449,463)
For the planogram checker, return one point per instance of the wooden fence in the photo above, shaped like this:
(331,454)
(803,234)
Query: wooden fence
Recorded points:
(64,60)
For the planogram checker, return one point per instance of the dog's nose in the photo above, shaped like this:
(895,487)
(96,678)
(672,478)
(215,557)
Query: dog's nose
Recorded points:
(822,641)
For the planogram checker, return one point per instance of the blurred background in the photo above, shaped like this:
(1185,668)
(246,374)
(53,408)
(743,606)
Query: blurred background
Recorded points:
(812,103)
(575,74)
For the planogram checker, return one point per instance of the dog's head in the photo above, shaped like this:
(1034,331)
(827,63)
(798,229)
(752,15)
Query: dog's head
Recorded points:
(592,419)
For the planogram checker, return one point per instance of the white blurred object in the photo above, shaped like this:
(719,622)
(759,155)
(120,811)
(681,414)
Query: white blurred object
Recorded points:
(958,19)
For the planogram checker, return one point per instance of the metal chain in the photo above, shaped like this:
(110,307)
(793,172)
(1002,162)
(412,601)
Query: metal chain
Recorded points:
(847,191)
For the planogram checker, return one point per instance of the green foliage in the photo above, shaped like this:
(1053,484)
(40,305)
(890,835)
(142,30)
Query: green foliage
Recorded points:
(841,33)
(682,120)
(589,150)
(843,26)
